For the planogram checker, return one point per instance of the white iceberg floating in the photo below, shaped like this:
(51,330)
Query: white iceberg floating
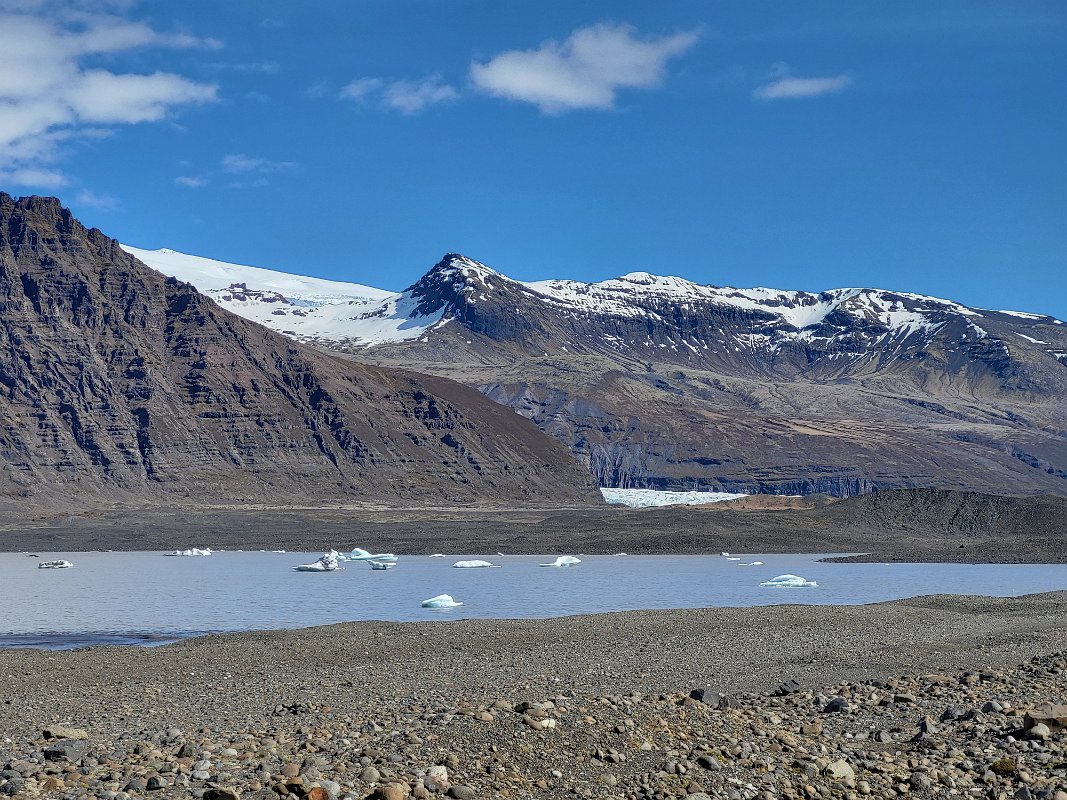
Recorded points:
(380,564)
(473,564)
(327,563)
(648,498)
(724,553)
(192,551)
(441,601)
(359,554)
(789,582)
(621,554)
(751,564)
(59,564)
(733,558)
(564,561)
(437,555)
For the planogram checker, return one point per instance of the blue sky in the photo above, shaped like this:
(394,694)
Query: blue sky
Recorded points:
(906,145)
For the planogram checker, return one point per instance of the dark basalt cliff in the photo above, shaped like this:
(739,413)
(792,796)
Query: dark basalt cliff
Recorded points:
(120,385)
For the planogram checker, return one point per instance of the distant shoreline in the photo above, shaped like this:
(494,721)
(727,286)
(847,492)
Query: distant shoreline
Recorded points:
(897,526)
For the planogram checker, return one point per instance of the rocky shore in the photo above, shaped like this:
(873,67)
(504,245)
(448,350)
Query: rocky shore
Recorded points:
(945,697)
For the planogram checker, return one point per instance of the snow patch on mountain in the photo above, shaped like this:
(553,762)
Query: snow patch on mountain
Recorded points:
(308,309)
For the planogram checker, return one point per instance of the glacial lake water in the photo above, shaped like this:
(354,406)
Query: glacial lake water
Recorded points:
(146,598)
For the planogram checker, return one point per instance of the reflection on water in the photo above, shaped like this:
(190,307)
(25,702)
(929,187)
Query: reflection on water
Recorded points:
(144,598)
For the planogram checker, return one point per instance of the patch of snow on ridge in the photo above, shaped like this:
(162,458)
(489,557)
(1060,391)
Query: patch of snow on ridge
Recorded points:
(648,498)
(1030,338)
(308,309)
(209,276)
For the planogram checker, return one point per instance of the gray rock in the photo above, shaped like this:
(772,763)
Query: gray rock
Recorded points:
(70,749)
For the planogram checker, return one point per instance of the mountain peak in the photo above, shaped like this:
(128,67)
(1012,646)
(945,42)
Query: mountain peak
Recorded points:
(464,267)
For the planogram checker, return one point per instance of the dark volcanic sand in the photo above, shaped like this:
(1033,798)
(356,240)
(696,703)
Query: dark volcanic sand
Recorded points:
(898,525)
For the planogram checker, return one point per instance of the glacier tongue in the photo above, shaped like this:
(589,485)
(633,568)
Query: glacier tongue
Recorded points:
(647,498)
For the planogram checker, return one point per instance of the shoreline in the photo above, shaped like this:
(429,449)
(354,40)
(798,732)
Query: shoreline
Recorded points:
(1030,533)
(381,702)
(151,640)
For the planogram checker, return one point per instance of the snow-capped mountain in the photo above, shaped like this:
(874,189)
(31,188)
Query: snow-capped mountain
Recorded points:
(659,382)
(635,314)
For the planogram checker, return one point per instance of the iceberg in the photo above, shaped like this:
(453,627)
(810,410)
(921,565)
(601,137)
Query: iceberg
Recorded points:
(751,564)
(192,551)
(59,564)
(326,563)
(733,558)
(789,582)
(474,564)
(359,554)
(380,564)
(437,555)
(564,561)
(441,601)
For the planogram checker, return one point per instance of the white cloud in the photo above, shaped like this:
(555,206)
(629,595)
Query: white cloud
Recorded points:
(192,181)
(239,163)
(583,72)
(360,89)
(90,198)
(784,86)
(407,97)
(49,97)
(34,176)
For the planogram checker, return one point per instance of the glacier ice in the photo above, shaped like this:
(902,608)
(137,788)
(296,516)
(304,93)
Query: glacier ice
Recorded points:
(647,498)
(473,564)
(192,551)
(359,554)
(789,582)
(751,564)
(441,601)
(59,564)
(327,562)
(437,555)
(564,561)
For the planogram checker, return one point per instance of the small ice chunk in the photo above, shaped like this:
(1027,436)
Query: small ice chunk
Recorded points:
(564,561)
(58,564)
(789,582)
(733,558)
(437,555)
(441,601)
(724,553)
(751,564)
(473,564)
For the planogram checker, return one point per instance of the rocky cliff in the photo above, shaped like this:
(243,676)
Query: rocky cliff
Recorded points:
(118,384)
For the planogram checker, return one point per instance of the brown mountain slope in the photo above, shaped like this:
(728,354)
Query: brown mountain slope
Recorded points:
(120,385)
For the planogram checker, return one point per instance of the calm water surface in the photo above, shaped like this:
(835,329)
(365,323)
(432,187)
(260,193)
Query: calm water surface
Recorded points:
(145,598)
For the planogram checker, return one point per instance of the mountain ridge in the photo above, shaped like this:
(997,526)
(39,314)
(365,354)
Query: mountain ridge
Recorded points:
(663,383)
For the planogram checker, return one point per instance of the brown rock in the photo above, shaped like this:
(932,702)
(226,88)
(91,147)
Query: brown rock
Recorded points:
(1054,716)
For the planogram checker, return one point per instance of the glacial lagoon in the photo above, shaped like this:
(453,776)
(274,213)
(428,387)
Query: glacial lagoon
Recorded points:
(146,598)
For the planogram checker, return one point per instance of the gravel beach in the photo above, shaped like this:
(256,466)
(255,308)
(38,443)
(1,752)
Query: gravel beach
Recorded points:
(925,696)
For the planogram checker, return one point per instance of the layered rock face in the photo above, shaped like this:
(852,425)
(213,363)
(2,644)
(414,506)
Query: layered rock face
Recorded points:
(120,385)
(661,383)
